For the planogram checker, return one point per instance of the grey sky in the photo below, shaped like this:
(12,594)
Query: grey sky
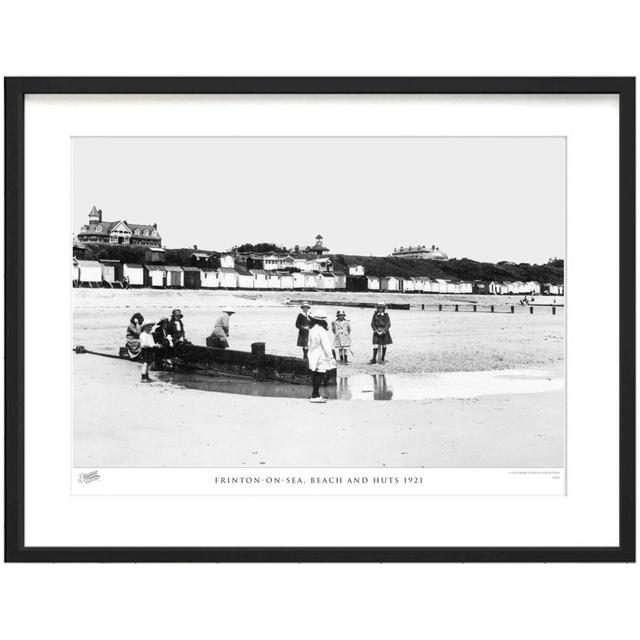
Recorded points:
(483,198)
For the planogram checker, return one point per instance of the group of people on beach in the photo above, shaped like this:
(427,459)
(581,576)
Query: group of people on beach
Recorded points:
(320,351)
(169,333)
(141,341)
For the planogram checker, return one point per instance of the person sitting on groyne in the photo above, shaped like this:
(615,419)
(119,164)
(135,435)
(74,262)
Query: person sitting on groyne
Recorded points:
(220,333)
(162,334)
(133,336)
(176,328)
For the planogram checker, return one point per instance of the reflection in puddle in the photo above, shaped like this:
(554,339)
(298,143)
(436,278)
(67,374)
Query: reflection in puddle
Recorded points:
(380,386)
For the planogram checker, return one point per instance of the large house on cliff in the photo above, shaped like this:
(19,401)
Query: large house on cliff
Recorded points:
(118,232)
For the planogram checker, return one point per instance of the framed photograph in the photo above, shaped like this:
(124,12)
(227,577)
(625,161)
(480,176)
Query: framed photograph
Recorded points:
(320,319)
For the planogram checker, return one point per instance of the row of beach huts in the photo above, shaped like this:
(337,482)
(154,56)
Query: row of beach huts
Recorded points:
(113,273)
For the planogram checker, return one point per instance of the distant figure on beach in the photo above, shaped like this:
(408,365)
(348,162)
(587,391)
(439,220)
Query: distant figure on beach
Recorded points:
(133,336)
(125,282)
(176,328)
(524,300)
(303,324)
(341,328)
(381,325)
(148,344)
(162,334)
(220,334)
(320,353)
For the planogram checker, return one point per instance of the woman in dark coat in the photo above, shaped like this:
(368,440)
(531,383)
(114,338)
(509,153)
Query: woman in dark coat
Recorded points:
(381,325)
(133,336)
(303,324)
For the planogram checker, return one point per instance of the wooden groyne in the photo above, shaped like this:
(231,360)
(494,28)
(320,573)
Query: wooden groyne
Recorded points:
(256,364)
(366,305)
(470,307)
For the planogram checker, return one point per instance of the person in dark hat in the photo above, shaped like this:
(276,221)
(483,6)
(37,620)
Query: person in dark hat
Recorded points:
(133,336)
(162,334)
(381,325)
(148,345)
(176,328)
(303,324)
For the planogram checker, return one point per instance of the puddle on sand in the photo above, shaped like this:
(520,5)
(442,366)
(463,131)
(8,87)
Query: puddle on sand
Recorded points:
(379,386)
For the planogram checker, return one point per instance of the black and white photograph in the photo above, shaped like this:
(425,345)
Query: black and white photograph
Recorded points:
(319,302)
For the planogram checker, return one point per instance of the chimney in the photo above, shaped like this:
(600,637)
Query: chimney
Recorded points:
(195,247)
(155,226)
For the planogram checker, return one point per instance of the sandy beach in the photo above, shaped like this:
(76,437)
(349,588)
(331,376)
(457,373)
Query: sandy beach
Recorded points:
(463,389)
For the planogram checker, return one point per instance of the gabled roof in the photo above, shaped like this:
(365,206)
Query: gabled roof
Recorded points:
(190,269)
(226,270)
(89,263)
(257,271)
(241,271)
(130,265)
(172,268)
(154,267)
(156,249)
(200,254)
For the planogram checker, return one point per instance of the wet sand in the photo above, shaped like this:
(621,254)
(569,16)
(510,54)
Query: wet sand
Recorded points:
(119,422)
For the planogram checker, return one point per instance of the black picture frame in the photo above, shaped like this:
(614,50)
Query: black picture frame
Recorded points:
(15,91)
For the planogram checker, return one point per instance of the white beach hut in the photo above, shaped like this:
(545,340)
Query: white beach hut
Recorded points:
(135,274)
(326,281)
(373,283)
(174,277)
(228,278)
(156,275)
(90,272)
(286,280)
(209,279)
(244,278)
(260,280)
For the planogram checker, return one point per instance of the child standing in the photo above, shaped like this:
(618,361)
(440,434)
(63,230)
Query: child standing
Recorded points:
(341,328)
(148,344)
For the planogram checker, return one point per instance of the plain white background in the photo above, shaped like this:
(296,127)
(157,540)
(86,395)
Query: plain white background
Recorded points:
(329,38)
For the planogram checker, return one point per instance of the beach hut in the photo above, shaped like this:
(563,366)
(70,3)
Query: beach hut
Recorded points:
(155,276)
(389,283)
(326,281)
(356,270)
(244,278)
(273,279)
(155,255)
(175,277)
(408,285)
(228,277)
(480,287)
(311,280)
(452,287)
(425,284)
(465,287)
(90,273)
(111,272)
(260,279)
(373,283)
(440,286)
(192,278)
(286,280)
(209,279)
(135,274)
(341,280)
(356,283)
